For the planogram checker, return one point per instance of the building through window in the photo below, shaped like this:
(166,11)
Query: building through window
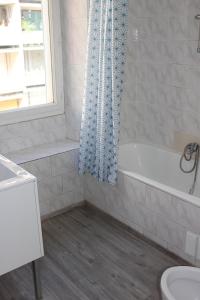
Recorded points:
(25,54)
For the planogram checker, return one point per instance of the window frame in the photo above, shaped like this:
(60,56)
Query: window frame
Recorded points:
(57,106)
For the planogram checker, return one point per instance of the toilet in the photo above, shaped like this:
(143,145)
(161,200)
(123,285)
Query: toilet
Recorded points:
(181,283)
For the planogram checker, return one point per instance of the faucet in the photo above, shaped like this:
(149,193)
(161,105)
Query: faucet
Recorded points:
(191,150)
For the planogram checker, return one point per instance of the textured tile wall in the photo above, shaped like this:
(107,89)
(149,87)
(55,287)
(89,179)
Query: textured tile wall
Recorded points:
(74,33)
(59,184)
(23,135)
(159,216)
(162,88)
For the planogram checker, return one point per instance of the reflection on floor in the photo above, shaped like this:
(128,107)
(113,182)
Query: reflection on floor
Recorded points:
(90,256)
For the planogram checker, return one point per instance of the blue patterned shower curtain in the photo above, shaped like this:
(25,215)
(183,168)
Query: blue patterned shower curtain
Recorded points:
(104,82)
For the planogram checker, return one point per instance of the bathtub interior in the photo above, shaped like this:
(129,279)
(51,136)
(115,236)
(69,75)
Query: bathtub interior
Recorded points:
(156,164)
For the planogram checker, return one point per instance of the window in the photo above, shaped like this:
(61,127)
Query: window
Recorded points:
(30,68)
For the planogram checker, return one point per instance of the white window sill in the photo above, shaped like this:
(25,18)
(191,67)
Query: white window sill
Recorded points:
(42,151)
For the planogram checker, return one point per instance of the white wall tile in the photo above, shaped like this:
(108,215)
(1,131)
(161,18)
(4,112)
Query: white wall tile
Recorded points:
(59,184)
(170,231)
(162,55)
(40,168)
(64,163)
(74,41)
(186,214)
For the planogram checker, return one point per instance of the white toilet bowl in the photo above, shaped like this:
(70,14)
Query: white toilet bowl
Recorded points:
(181,283)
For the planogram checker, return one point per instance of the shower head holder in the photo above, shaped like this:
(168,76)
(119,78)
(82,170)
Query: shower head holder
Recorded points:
(197,17)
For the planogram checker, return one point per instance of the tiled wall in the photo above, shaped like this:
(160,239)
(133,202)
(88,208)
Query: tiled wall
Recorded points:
(74,33)
(157,215)
(162,91)
(59,184)
(23,135)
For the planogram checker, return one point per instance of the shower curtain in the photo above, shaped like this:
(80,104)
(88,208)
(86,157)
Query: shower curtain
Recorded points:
(104,82)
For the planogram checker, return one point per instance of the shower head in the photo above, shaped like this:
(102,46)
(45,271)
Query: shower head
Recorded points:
(197,17)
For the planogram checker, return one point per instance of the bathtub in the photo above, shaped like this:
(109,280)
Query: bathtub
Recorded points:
(159,168)
(151,196)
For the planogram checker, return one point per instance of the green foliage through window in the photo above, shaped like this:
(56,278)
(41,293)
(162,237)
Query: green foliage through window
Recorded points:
(31,20)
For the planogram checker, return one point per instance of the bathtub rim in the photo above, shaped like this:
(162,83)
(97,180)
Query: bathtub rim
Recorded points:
(149,144)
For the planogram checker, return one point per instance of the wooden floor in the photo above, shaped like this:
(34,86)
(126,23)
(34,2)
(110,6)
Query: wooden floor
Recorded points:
(90,256)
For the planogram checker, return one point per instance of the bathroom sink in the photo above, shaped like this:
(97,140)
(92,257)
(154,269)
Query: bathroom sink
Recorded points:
(20,226)
(5,173)
(11,174)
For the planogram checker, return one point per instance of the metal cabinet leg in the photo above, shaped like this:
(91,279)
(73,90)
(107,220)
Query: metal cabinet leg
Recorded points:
(37,280)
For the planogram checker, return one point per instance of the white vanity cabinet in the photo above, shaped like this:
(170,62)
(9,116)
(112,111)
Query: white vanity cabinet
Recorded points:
(20,226)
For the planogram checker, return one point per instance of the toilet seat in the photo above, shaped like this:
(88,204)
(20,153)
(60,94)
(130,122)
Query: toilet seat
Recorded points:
(181,283)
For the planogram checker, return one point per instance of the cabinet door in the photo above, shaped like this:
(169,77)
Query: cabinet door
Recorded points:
(20,232)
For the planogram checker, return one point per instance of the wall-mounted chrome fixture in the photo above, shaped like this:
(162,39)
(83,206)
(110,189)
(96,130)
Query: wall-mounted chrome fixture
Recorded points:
(197,17)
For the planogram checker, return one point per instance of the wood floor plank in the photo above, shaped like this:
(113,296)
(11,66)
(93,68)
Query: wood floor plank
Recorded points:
(91,256)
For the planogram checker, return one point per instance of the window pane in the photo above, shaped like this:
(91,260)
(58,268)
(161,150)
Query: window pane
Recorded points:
(34,67)
(31,20)
(25,58)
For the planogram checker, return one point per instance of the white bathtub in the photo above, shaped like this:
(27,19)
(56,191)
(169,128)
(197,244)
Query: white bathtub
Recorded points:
(159,168)
(151,196)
